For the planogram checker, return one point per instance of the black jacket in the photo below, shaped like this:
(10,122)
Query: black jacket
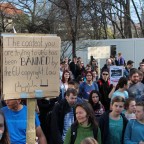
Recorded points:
(74,68)
(104,127)
(57,120)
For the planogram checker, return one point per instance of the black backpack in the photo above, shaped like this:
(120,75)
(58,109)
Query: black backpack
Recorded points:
(74,132)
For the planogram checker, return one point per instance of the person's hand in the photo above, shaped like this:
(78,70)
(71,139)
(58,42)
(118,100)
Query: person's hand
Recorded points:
(141,142)
(114,85)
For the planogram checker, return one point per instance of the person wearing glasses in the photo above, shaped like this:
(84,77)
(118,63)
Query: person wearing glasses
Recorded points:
(86,87)
(105,88)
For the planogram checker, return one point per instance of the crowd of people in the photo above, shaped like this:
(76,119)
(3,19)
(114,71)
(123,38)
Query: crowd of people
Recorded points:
(88,110)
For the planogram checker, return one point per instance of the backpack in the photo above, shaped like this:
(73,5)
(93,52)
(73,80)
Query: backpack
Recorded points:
(74,132)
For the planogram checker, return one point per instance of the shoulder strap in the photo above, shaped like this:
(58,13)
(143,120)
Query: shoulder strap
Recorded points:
(73,132)
(95,133)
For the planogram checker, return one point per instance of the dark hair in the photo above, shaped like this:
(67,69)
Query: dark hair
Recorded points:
(90,73)
(5,138)
(118,99)
(122,81)
(141,62)
(71,82)
(63,79)
(79,78)
(127,102)
(97,105)
(129,62)
(133,71)
(141,103)
(71,90)
(90,96)
(90,113)
(105,70)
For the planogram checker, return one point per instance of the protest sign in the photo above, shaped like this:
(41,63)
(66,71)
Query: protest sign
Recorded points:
(116,72)
(30,66)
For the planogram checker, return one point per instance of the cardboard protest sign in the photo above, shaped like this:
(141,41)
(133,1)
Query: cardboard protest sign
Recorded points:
(116,72)
(30,66)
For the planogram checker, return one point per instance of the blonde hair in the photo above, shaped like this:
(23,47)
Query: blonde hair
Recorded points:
(89,140)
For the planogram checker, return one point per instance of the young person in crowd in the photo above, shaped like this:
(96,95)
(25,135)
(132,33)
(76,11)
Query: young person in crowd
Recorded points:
(94,100)
(84,126)
(120,60)
(89,140)
(122,86)
(74,68)
(128,68)
(86,87)
(95,75)
(63,116)
(64,83)
(134,133)
(113,123)
(130,107)
(4,136)
(104,88)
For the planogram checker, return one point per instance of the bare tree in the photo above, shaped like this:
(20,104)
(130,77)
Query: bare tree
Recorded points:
(71,15)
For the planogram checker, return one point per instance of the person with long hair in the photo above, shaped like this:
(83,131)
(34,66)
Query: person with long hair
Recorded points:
(84,126)
(4,136)
(64,83)
(94,100)
(121,87)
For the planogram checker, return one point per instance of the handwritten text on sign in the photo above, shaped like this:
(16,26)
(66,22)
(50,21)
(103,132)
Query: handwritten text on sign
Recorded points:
(30,63)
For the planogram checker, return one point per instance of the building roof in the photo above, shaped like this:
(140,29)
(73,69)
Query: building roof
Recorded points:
(9,9)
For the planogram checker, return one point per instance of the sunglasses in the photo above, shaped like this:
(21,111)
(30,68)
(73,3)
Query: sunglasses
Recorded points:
(104,74)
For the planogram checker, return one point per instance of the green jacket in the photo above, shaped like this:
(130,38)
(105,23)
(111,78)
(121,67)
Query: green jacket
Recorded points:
(82,133)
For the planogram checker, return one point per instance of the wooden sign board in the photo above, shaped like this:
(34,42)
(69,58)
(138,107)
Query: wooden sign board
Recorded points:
(99,52)
(30,66)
